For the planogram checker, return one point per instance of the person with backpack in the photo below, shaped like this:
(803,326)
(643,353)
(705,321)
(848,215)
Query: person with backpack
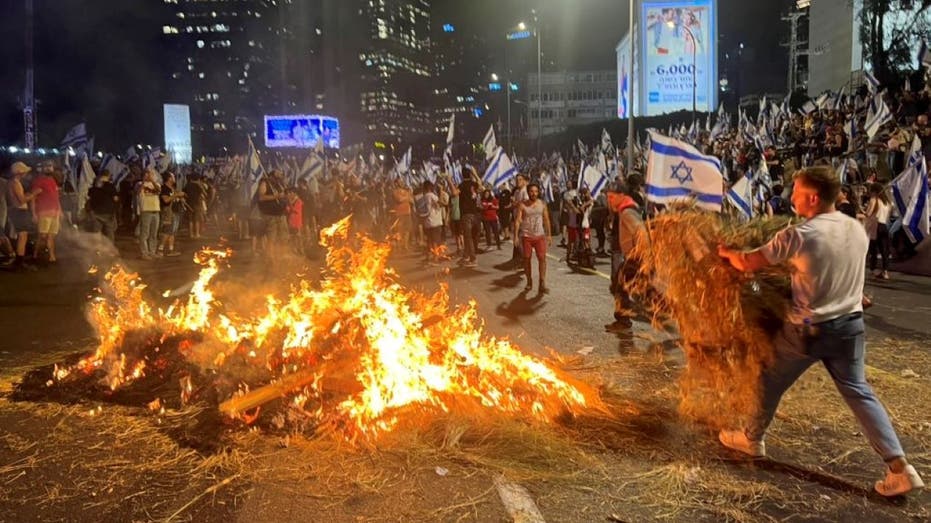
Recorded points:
(626,230)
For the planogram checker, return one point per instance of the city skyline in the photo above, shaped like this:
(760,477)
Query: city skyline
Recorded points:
(119,89)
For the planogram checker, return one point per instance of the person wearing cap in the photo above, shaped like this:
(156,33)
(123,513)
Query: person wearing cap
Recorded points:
(47,208)
(18,207)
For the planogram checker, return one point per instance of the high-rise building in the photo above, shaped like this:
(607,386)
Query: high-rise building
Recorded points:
(229,68)
(460,79)
(396,69)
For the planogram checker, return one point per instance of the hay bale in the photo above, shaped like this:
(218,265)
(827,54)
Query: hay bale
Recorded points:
(726,319)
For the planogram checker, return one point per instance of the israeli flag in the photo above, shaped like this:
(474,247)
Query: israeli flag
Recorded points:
(500,170)
(851,129)
(593,178)
(740,196)
(117,169)
(86,179)
(606,145)
(76,138)
(549,195)
(677,171)
(131,155)
(456,173)
(489,143)
(451,130)
(871,82)
(878,115)
(404,166)
(311,168)
(254,170)
(910,192)
(808,107)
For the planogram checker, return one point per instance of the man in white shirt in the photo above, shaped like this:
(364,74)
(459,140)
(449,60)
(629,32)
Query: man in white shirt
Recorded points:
(825,324)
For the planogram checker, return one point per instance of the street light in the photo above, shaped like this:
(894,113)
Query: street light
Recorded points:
(518,33)
(672,25)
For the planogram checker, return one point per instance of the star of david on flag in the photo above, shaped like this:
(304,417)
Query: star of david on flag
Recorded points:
(677,171)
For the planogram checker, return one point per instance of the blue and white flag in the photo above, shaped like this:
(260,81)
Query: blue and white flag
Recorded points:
(850,128)
(489,143)
(452,128)
(254,171)
(456,172)
(808,107)
(606,146)
(404,166)
(117,169)
(871,82)
(77,138)
(741,196)
(131,154)
(878,115)
(549,194)
(677,171)
(594,178)
(910,192)
(500,170)
(311,168)
(86,177)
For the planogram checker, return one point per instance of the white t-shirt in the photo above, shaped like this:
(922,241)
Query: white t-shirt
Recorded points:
(827,254)
(434,211)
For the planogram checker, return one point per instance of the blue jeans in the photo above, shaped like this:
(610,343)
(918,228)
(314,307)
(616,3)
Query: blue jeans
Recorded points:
(840,345)
(148,232)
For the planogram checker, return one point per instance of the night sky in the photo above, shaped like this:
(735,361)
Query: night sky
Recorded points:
(100,60)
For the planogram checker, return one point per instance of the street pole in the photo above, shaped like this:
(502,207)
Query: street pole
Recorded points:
(539,91)
(694,72)
(630,93)
(29,99)
(508,88)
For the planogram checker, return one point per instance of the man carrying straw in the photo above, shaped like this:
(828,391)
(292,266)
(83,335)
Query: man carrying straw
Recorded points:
(825,323)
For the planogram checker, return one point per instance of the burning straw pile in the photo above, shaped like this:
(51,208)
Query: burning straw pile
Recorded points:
(726,319)
(354,353)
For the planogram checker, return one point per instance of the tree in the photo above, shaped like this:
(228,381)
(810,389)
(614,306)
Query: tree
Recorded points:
(890,32)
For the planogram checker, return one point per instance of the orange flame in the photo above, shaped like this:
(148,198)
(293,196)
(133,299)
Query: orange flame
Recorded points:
(399,351)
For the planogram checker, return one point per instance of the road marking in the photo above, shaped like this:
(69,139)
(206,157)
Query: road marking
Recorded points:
(517,502)
(583,269)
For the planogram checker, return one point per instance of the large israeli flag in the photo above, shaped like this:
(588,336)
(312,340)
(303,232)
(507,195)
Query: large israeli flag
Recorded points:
(677,171)
(910,192)
(76,138)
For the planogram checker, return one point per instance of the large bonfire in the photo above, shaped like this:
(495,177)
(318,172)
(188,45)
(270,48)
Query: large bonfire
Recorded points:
(355,351)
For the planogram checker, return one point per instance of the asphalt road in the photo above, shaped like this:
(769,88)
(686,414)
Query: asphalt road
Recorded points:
(42,319)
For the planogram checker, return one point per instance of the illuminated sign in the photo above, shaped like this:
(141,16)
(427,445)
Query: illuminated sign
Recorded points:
(494,86)
(448,28)
(519,35)
(513,86)
(301,131)
(178,133)
(678,46)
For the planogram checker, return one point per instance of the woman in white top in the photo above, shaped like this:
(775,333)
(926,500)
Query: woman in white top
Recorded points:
(878,210)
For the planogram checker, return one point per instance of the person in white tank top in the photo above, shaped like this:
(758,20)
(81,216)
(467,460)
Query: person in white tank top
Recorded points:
(533,225)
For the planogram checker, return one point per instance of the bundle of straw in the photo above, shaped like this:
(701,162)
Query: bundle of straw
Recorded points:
(726,319)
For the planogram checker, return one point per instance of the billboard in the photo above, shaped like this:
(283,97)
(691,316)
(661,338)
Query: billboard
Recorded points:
(178,133)
(301,130)
(678,43)
(625,104)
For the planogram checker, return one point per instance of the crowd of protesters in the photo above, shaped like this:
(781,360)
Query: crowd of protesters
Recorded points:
(437,217)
